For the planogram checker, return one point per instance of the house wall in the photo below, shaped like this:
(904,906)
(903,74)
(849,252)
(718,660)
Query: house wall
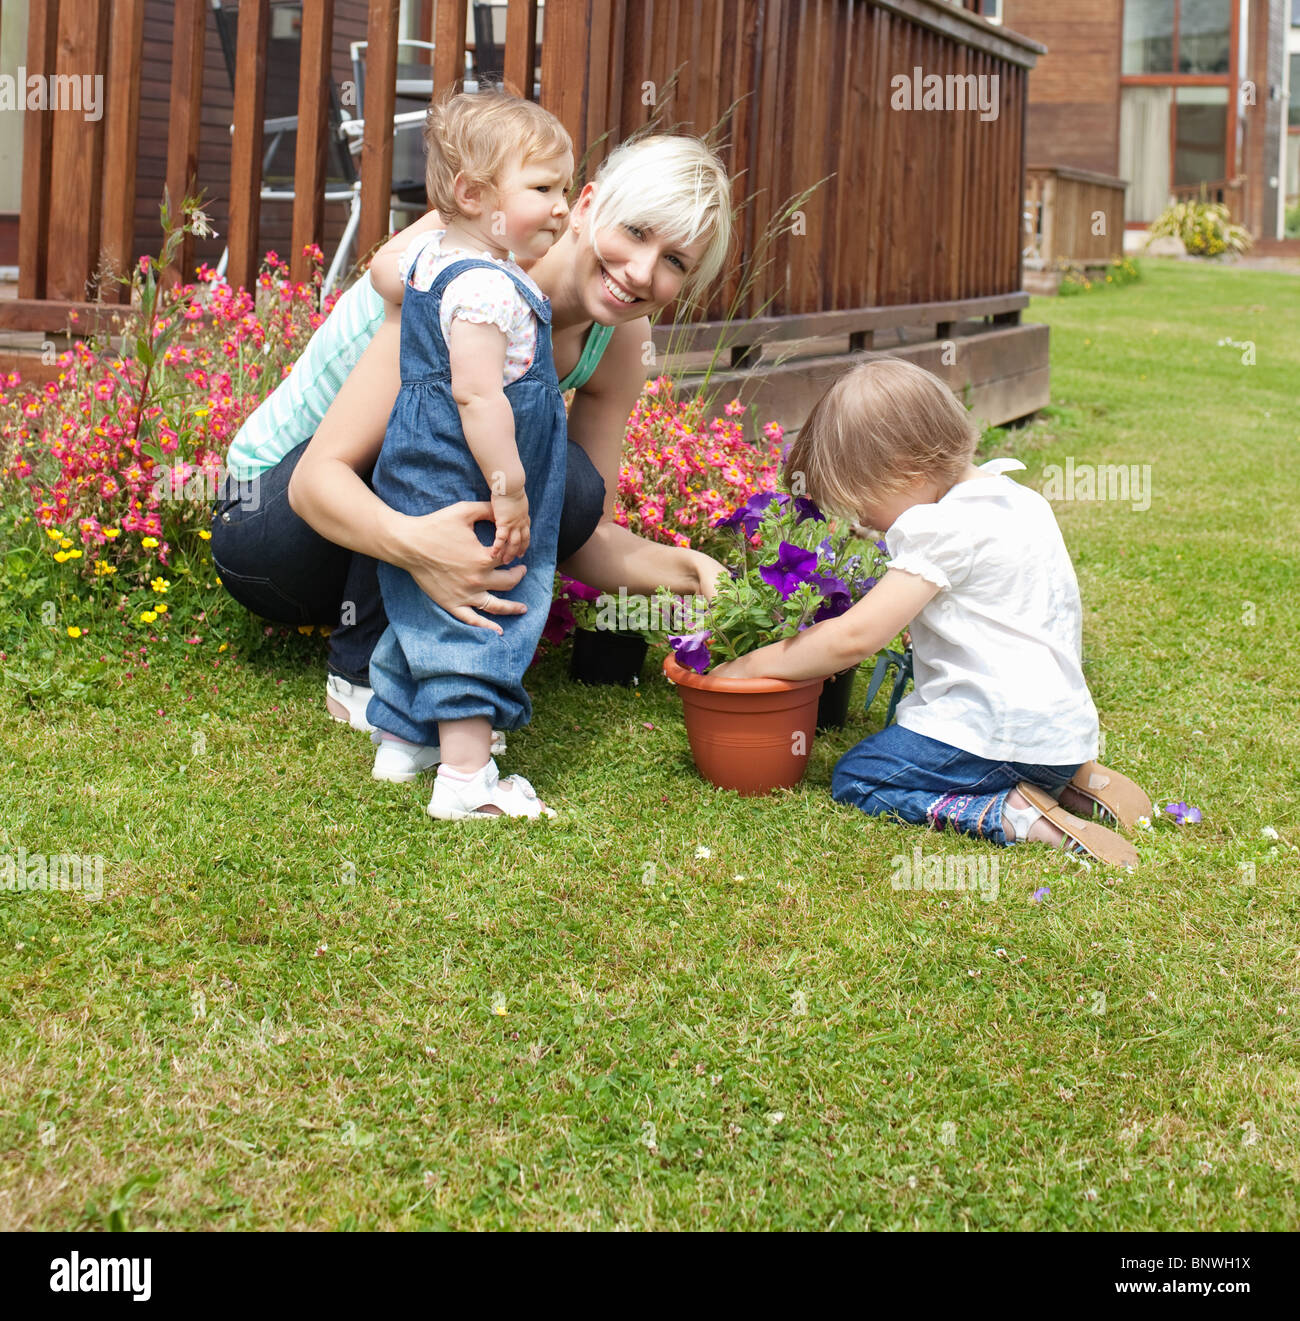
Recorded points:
(1074,89)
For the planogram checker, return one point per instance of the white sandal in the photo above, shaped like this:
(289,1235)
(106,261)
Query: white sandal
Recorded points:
(464,800)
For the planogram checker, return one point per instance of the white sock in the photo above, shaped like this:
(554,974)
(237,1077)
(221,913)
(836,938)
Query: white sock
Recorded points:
(461,777)
(1020,819)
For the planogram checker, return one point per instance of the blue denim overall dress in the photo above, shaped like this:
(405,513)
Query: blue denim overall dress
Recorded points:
(428,666)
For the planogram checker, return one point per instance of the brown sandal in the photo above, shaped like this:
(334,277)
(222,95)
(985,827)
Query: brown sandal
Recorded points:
(1085,837)
(1117,796)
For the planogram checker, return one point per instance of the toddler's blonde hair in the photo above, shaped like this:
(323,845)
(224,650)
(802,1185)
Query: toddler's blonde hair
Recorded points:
(479,134)
(880,427)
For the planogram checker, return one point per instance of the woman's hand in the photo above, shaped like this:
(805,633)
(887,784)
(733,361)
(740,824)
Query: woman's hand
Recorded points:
(709,571)
(453,568)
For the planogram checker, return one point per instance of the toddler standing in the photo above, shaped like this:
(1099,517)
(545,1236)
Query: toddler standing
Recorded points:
(479,416)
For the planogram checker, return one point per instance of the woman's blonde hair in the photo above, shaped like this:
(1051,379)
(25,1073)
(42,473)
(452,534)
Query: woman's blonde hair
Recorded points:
(478,134)
(879,428)
(673,185)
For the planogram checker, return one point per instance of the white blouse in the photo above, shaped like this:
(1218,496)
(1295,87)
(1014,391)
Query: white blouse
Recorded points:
(477,295)
(996,654)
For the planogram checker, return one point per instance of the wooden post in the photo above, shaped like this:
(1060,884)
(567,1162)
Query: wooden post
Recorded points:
(34,219)
(449,45)
(566,65)
(188,18)
(377,144)
(313,133)
(521,44)
(76,153)
(246,142)
(121,139)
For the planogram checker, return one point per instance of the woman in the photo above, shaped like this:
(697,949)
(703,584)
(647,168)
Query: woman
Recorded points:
(298,530)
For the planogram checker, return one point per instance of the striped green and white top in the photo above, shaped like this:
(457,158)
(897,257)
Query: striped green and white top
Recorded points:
(292,412)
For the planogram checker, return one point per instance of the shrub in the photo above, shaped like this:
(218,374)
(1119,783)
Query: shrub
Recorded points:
(121,453)
(680,473)
(1077,279)
(1204,227)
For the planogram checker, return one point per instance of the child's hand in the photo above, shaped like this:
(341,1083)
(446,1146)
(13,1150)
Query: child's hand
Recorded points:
(510,514)
(740,668)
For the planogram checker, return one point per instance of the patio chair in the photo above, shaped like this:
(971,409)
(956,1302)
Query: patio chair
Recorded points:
(280,129)
(489,46)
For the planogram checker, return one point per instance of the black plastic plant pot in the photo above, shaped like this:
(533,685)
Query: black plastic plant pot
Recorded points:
(833,706)
(606,656)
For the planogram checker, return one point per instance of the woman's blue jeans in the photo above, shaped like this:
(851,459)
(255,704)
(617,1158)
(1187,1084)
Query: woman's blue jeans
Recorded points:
(896,772)
(279,567)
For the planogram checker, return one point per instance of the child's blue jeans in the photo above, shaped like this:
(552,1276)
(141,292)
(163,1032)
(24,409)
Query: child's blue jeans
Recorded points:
(927,783)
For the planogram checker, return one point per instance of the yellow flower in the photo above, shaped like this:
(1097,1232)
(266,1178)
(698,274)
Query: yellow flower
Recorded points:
(161,607)
(223,646)
(306,629)
(148,616)
(204,534)
(74,554)
(104,569)
(111,532)
(60,556)
(160,585)
(73,631)
(53,533)
(65,543)
(149,543)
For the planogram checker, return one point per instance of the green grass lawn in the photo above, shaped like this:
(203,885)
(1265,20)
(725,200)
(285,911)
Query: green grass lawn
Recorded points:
(300,1003)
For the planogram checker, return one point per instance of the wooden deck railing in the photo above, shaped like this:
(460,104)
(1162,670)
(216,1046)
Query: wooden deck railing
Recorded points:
(1231,192)
(1077,215)
(919,216)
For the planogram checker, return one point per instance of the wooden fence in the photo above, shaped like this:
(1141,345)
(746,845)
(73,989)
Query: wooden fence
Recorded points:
(917,219)
(1077,215)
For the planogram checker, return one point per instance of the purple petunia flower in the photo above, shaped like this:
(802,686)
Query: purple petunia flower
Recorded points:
(578,591)
(806,509)
(880,546)
(1184,814)
(836,594)
(1039,895)
(560,622)
(793,566)
(692,650)
(748,516)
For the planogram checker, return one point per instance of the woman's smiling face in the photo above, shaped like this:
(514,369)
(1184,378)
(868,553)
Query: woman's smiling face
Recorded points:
(636,271)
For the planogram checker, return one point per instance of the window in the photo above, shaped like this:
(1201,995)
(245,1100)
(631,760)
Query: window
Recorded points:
(1177,36)
(1293,110)
(1148,36)
(1200,134)
(1204,45)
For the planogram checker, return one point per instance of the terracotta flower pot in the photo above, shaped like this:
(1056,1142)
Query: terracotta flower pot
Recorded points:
(751,735)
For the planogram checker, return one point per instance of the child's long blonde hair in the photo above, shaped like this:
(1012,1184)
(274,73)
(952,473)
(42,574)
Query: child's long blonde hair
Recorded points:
(478,134)
(880,427)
